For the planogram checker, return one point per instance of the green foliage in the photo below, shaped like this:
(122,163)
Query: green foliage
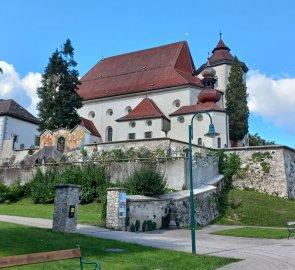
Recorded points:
(42,187)
(262,158)
(3,192)
(229,165)
(147,180)
(31,151)
(83,152)
(59,100)
(236,103)
(92,178)
(256,140)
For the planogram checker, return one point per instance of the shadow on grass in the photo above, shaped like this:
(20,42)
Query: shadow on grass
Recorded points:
(18,239)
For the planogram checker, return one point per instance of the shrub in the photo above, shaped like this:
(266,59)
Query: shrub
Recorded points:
(3,192)
(228,166)
(42,187)
(11,193)
(147,180)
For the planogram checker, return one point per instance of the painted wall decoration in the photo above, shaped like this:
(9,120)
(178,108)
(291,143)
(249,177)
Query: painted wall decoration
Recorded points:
(74,139)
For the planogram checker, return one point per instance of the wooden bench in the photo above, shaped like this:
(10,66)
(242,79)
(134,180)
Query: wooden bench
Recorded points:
(46,257)
(291,228)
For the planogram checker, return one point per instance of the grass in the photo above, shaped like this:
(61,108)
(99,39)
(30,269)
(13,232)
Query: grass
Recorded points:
(87,214)
(255,233)
(18,239)
(241,207)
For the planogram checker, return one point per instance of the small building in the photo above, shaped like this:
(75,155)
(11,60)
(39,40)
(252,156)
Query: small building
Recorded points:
(18,125)
(66,140)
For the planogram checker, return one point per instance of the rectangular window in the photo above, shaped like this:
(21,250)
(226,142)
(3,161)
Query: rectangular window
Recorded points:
(131,136)
(148,135)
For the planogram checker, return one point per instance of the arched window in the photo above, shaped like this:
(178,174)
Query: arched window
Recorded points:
(200,141)
(109,134)
(219,142)
(61,142)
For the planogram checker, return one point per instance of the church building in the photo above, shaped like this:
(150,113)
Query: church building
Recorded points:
(154,93)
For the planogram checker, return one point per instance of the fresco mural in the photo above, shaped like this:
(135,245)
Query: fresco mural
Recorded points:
(74,139)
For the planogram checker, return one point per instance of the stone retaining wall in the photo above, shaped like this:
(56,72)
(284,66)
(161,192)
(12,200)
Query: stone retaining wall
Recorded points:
(142,209)
(267,169)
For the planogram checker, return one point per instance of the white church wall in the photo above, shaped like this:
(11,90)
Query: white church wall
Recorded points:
(140,128)
(24,131)
(179,129)
(2,130)
(104,112)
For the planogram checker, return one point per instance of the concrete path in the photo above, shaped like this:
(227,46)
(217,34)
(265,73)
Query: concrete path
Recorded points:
(258,254)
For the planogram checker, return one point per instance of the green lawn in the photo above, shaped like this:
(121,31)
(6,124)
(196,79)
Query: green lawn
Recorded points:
(241,207)
(17,239)
(255,233)
(87,214)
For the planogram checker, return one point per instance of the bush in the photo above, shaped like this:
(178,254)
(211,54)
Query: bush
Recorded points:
(92,178)
(147,180)
(42,187)
(229,166)
(11,193)
(3,192)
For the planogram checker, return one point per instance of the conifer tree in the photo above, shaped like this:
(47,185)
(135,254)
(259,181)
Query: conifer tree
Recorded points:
(236,103)
(59,100)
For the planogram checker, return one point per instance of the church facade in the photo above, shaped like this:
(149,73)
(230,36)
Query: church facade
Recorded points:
(154,93)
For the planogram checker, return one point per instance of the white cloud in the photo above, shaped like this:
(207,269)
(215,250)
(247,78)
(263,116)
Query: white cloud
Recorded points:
(22,90)
(273,99)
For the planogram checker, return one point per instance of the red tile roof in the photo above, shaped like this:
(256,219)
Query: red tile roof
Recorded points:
(88,124)
(147,108)
(221,55)
(208,106)
(150,69)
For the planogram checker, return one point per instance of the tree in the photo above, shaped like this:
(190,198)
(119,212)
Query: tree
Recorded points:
(59,100)
(256,140)
(236,103)
(1,71)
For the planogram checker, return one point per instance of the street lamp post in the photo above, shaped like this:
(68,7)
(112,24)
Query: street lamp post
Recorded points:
(211,133)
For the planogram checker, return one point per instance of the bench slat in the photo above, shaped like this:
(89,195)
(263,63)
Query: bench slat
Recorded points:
(39,257)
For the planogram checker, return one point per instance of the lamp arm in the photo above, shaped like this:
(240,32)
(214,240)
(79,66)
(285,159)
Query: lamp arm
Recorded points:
(197,113)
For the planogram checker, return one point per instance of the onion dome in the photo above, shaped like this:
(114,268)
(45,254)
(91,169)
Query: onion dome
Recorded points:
(209,95)
(208,71)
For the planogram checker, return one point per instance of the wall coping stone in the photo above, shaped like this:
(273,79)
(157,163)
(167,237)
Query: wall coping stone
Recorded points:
(260,147)
(179,195)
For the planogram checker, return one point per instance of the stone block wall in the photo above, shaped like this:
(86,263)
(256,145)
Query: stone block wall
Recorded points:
(142,209)
(267,169)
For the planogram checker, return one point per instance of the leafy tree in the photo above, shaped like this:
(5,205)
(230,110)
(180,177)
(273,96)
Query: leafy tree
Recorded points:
(256,140)
(1,71)
(59,100)
(236,103)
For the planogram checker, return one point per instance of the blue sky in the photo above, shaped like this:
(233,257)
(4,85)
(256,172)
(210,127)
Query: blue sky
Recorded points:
(260,33)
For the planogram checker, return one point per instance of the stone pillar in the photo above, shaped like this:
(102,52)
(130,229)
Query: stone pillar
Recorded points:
(66,208)
(116,209)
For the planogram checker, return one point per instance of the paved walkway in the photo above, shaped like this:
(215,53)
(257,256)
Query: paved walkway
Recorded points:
(258,254)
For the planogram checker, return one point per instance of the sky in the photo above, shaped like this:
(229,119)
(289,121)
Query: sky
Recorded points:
(260,33)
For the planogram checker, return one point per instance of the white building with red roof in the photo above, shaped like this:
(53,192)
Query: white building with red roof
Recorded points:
(153,93)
